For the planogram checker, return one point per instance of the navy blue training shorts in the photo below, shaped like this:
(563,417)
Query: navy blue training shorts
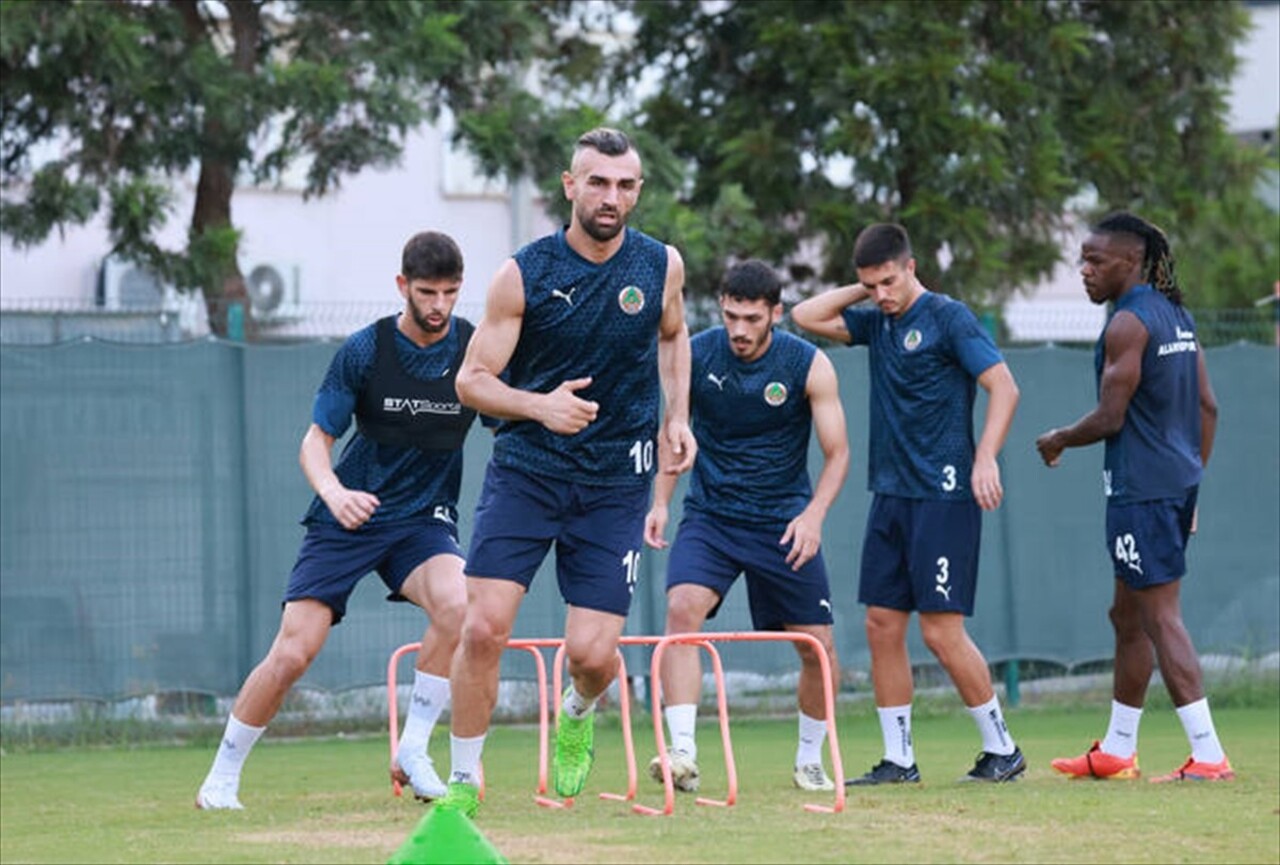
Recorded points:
(921,554)
(332,559)
(597,530)
(712,553)
(1147,541)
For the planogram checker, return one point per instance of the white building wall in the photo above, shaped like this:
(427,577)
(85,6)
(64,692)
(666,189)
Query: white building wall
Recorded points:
(345,246)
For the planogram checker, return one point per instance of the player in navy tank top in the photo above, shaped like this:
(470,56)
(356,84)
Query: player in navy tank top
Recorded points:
(582,330)
(1157,414)
(931,483)
(389,505)
(757,393)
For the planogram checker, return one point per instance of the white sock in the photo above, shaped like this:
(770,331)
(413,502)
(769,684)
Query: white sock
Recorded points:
(430,697)
(237,741)
(991,726)
(1196,720)
(813,733)
(895,727)
(681,721)
(1122,732)
(575,705)
(464,758)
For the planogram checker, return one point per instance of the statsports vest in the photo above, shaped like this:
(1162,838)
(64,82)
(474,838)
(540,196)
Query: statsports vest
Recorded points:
(396,408)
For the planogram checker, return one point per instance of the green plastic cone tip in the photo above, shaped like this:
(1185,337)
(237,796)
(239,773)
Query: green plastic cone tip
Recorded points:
(446,837)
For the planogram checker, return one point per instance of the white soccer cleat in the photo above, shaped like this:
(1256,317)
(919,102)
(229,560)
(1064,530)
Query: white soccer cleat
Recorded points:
(684,770)
(419,772)
(812,776)
(219,795)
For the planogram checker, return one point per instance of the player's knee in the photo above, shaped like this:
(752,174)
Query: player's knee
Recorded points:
(683,618)
(943,643)
(1126,622)
(288,661)
(482,637)
(447,619)
(1163,625)
(687,608)
(810,656)
(590,658)
(883,629)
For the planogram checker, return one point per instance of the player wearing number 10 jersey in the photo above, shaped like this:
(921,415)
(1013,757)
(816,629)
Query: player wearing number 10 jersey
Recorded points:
(931,484)
(580,330)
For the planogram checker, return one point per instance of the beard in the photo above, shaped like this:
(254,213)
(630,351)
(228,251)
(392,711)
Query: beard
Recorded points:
(746,347)
(598,232)
(424,324)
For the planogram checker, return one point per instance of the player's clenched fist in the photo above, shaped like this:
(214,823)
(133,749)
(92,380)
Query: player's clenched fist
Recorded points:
(564,412)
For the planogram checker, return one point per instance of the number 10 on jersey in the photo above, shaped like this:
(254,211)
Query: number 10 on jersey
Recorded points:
(642,456)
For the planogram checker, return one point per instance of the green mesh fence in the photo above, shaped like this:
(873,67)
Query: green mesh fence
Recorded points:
(150,497)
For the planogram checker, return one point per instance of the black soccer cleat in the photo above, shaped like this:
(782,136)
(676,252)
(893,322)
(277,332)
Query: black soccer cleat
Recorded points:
(997,768)
(886,772)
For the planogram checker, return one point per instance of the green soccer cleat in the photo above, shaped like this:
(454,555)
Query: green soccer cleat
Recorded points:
(463,798)
(575,752)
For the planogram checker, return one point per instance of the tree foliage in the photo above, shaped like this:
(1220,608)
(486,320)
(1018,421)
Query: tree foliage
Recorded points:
(769,128)
(983,125)
(129,96)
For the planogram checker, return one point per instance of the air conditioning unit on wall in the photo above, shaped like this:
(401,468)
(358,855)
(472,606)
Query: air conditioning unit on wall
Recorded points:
(124,286)
(274,290)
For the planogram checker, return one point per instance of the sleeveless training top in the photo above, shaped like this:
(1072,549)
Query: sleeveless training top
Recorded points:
(1156,454)
(752,422)
(586,319)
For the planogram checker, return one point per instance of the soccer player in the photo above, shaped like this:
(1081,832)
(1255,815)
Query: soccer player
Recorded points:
(930,485)
(580,329)
(389,505)
(1157,414)
(756,395)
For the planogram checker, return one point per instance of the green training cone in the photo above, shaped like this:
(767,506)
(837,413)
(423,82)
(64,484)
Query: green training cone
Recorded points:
(445,837)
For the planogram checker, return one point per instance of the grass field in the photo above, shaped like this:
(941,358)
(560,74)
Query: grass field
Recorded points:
(328,800)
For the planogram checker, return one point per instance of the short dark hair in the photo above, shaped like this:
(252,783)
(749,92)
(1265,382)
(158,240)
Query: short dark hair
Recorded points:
(431,255)
(752,280)
(881,243)
(610,142)
(1157,258)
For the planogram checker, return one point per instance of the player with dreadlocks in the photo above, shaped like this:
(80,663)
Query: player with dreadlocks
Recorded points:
(1157,413)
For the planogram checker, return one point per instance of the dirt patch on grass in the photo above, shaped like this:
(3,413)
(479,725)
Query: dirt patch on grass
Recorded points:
(580,847)
(327,839)
(516,847)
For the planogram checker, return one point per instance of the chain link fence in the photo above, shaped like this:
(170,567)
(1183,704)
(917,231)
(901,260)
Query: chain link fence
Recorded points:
(184,318)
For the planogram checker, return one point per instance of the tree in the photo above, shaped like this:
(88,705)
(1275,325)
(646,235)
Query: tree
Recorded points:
(132,94)
(981,125)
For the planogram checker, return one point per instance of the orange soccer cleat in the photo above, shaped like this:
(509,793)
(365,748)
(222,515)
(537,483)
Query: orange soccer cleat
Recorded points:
(1096,763)
(1192,770)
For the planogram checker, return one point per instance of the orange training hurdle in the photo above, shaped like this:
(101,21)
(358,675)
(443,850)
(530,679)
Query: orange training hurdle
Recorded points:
(704,641)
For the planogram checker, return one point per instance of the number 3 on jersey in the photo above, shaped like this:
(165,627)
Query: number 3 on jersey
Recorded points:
(642,456)
(948,478)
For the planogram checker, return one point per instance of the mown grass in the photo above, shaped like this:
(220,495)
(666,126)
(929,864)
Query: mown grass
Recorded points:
(328,800)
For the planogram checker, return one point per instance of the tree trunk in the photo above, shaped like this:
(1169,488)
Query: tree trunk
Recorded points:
(217,183)
(212,211)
